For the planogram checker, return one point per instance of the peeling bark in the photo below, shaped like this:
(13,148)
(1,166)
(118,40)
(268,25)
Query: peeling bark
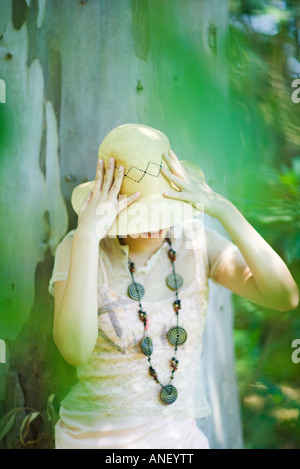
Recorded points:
(141,28)
(67,84)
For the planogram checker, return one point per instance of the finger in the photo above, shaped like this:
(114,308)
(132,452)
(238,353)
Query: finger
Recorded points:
(99,176)
(109,175)
(201,174)
(176,168)
(128,200)
(170,162)
(174,157)
(193,170)
(86,201)
(115,188)
(176,195)
(175,179)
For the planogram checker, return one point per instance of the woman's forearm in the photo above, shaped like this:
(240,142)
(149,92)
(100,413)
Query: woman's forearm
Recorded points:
(271,275)
(75,323)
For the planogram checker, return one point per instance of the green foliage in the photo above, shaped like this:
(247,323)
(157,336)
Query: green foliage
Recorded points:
(268,379)
(29,437)
(272,204)
(266,188)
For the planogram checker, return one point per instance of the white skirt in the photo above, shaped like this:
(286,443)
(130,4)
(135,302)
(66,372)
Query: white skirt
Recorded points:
(78,430)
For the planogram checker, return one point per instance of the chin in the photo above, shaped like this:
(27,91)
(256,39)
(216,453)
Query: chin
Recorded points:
(154,234)
(150,234)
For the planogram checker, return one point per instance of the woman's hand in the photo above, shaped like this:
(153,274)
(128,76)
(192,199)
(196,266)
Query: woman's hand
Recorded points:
(255,272)
(190,185)
(101,207)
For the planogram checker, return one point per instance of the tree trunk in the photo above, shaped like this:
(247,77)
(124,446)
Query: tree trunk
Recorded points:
(73,71)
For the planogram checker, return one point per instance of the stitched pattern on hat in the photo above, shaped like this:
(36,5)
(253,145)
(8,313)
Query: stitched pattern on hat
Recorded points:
(137,177)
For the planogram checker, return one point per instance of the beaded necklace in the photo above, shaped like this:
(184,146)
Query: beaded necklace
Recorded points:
(176,335)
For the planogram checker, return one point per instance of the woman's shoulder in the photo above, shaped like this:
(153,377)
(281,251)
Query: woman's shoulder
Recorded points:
(61,261)
(192,228)
(69,235)
(66,242)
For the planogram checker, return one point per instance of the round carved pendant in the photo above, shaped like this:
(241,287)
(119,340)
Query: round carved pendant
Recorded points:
(136,291)
(174,281)
(177,335)
(168,394)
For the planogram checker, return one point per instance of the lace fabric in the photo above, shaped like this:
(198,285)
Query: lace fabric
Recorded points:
(116,381)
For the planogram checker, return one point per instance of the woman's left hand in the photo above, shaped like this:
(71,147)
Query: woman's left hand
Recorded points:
(255,271)
(192,187)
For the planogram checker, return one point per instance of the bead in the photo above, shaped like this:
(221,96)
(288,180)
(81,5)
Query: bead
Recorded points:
(153,373)
(172,254)
(131,267)
(177,305)
(142,315)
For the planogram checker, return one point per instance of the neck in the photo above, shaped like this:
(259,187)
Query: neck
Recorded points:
(143,247)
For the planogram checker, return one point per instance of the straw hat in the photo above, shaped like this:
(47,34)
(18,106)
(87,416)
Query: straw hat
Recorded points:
(139,149)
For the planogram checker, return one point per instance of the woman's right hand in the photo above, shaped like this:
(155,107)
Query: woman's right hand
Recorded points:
(101,207)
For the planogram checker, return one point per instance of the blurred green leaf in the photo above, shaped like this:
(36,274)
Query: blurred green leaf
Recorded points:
(6,424)
(25,426)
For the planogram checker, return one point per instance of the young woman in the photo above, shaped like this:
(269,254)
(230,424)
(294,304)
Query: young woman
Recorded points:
(131,292)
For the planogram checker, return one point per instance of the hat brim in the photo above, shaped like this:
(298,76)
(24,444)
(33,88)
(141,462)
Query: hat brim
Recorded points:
(146,214)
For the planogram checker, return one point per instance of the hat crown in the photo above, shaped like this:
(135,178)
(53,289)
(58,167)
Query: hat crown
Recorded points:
(139,149)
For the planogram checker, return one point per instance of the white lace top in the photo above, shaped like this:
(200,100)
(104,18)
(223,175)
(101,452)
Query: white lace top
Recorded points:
(116,381)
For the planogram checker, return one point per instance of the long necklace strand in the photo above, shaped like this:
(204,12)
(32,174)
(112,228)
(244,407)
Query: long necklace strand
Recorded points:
(176,335)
